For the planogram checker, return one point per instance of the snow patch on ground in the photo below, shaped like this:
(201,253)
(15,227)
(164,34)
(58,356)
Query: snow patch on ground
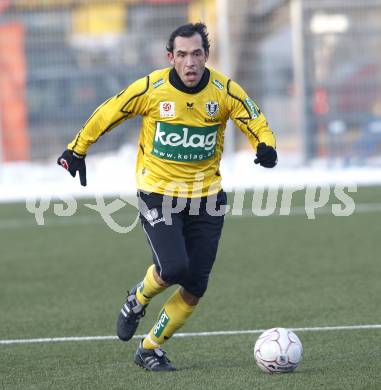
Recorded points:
(114,174)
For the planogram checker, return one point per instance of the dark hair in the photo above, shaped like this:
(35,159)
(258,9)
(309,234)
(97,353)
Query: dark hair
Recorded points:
(188,30)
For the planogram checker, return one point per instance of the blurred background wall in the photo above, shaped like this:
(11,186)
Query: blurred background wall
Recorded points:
(313,66)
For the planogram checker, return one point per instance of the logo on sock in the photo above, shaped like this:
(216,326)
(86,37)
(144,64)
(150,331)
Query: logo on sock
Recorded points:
(161,324)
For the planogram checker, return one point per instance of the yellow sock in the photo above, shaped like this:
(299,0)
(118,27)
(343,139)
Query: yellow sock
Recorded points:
(171,318)
(149,287)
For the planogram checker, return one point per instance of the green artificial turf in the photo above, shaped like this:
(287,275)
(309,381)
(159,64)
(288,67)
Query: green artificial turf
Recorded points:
(69,278)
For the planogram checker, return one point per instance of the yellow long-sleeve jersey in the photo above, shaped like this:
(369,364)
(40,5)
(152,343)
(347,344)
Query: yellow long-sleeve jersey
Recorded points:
(182,133)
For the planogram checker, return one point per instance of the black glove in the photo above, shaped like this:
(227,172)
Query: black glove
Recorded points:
(74,162)
(266,156)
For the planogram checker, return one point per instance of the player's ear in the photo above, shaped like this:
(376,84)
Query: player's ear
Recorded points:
(171,58)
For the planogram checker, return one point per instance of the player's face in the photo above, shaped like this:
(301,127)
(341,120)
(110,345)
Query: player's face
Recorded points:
(188,58)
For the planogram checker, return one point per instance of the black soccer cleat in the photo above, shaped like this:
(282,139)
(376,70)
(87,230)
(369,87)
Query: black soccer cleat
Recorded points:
(152,359)
(130,314)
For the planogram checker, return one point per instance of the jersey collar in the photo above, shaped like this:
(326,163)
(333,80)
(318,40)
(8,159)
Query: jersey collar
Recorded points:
(175,80)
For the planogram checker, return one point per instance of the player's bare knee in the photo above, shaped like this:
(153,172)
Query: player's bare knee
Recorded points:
(159,280)
(188,297)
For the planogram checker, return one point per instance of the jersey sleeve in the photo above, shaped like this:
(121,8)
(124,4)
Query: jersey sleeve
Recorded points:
(248,117)
(127,104)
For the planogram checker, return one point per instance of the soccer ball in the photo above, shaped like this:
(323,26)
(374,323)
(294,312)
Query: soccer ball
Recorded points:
(278,350)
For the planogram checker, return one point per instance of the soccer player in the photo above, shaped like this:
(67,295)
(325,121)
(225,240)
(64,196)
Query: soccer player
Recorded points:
(184,109)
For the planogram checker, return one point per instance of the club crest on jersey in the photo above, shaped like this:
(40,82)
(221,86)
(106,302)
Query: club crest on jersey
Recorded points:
(212,108)
(167,109)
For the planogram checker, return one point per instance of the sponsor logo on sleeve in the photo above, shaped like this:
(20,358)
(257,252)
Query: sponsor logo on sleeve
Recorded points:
(158,83)
(218,84)
(252,108)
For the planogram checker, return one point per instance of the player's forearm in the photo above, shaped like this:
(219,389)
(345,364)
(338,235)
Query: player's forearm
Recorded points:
(82,141)
(89,134)
(104,118)
(267,136)
(259,131)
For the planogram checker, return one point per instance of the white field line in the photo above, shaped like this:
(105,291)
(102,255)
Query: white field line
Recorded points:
(97,219)
(190,334)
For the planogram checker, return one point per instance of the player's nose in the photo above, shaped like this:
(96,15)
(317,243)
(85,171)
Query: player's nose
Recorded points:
(189,62)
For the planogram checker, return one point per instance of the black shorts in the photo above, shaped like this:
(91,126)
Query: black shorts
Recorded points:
(183,234)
